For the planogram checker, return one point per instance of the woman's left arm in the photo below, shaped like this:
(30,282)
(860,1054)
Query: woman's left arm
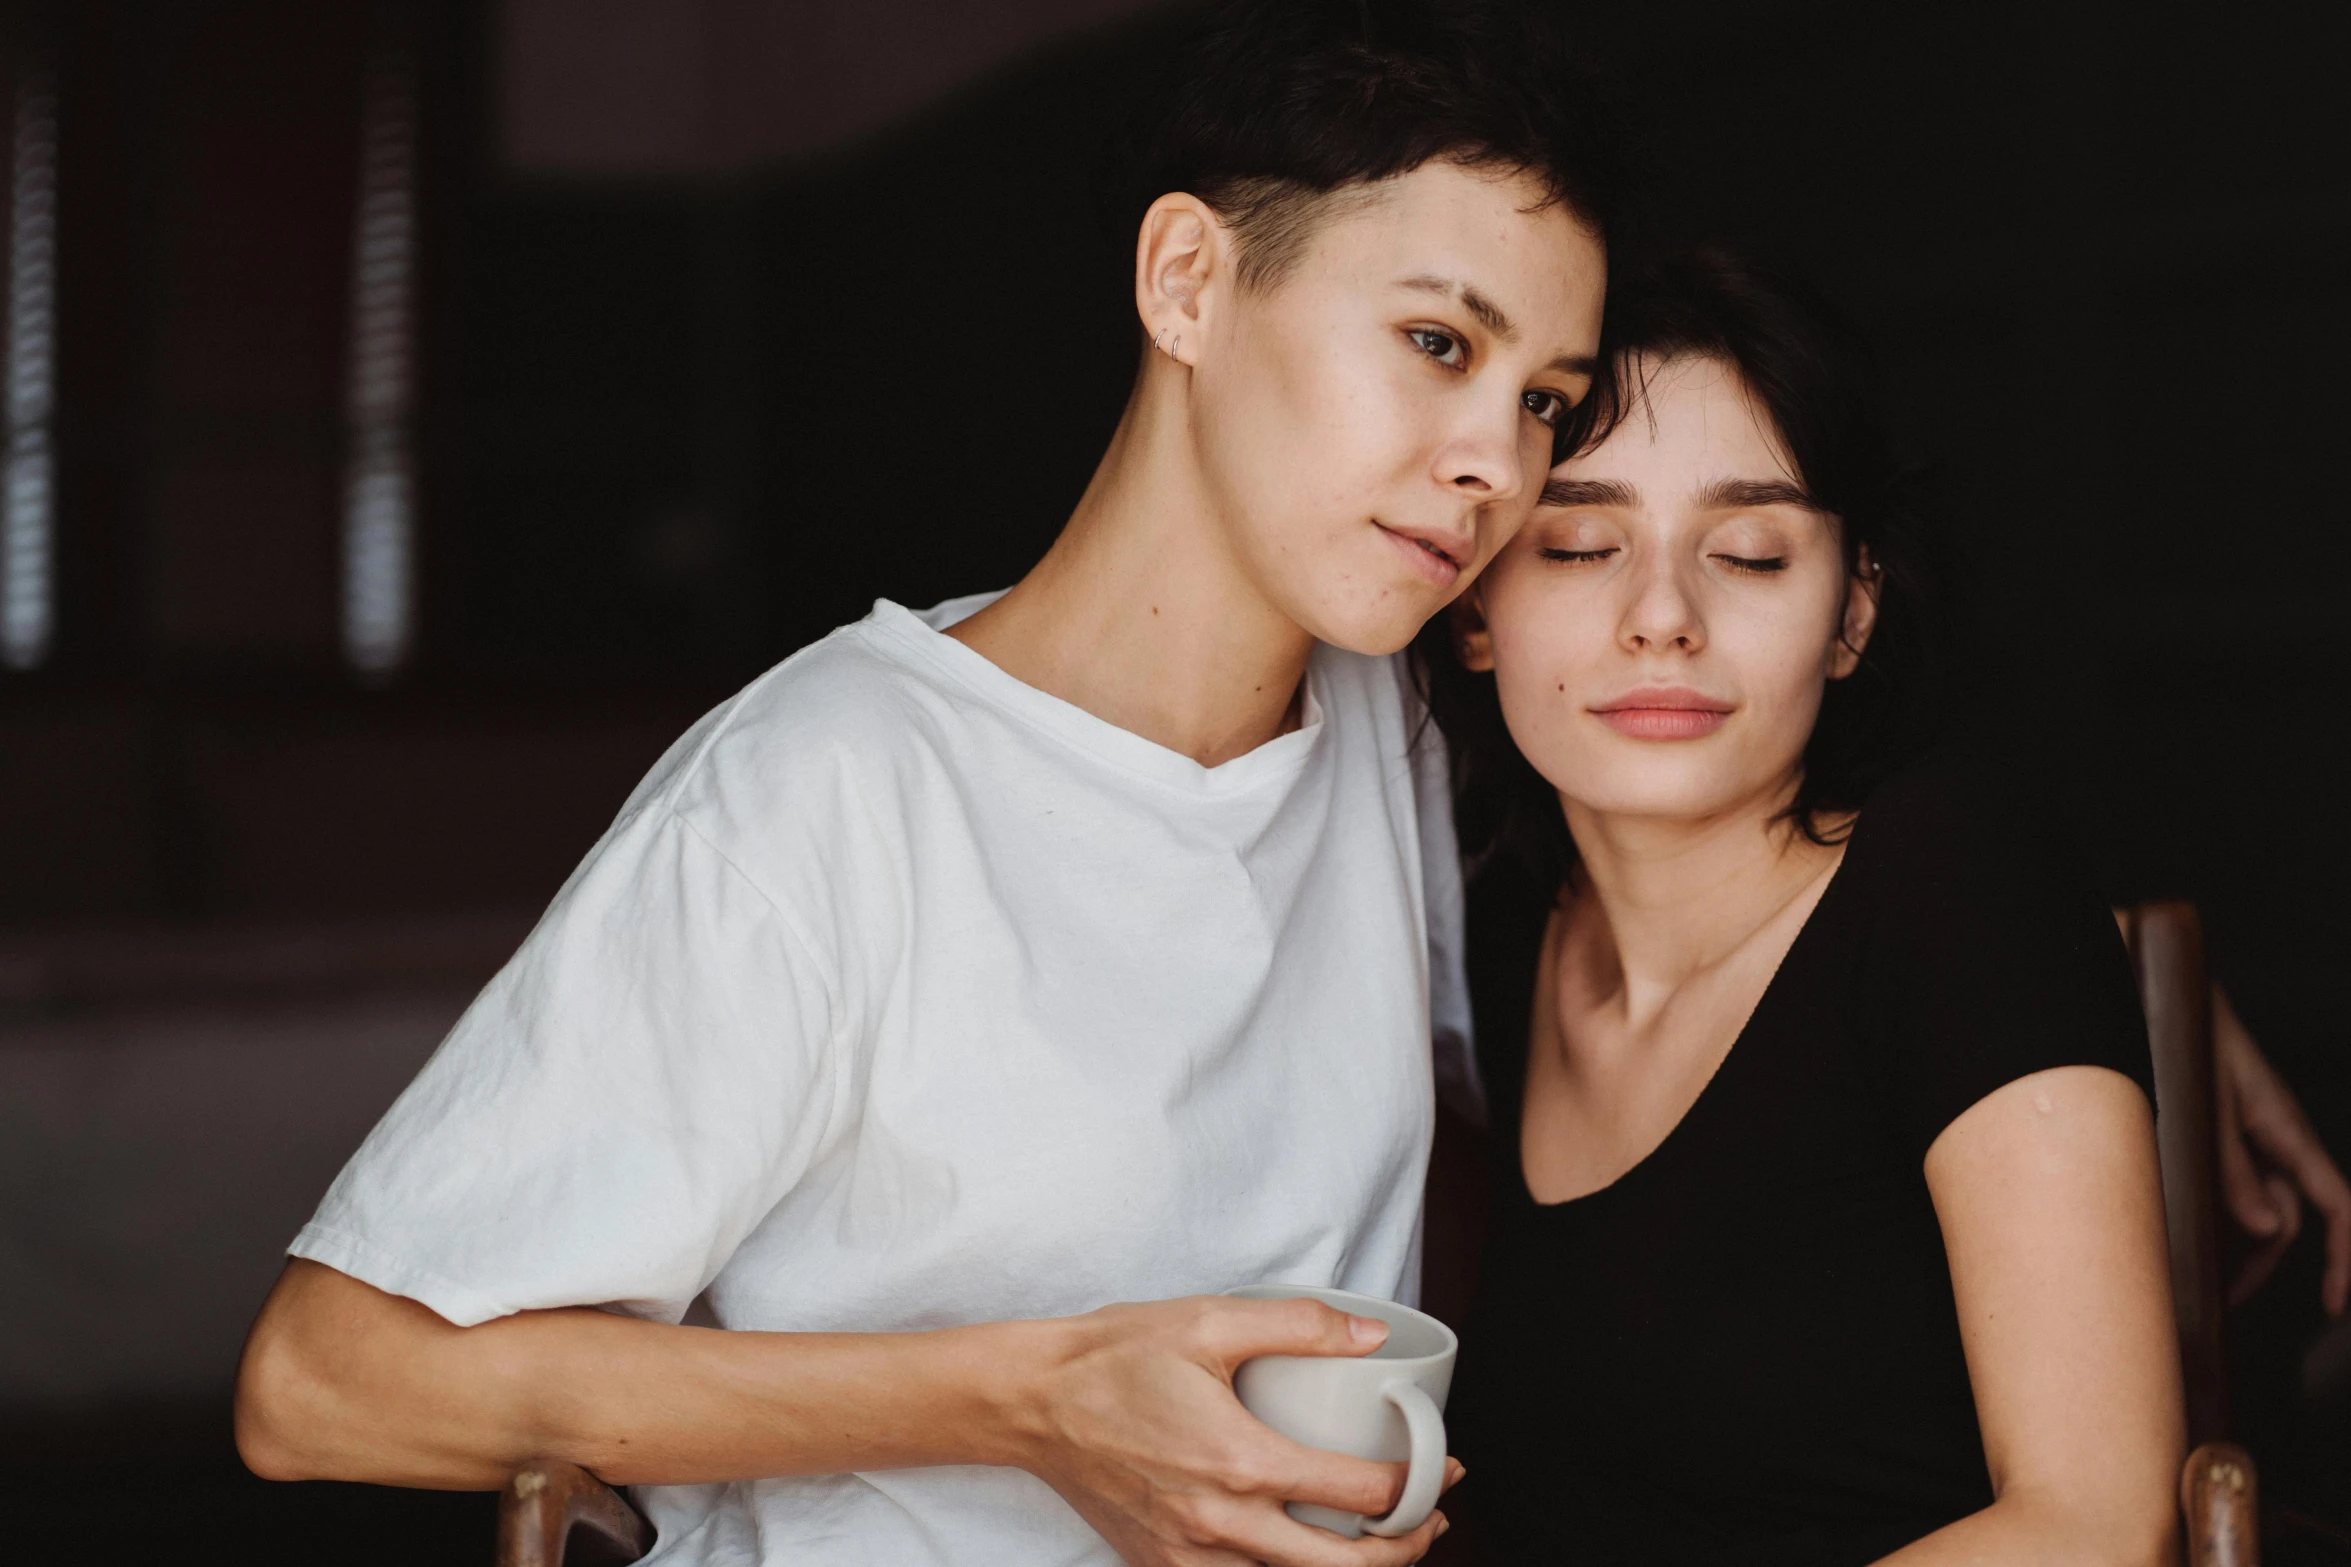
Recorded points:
(2052,1216)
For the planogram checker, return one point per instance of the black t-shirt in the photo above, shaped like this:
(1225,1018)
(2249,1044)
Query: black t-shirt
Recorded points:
(1746,1348)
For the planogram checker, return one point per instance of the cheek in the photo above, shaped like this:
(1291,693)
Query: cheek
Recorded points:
(1497,526)
(1308,426)
(1782,670)
(1534,457)
(1544,660)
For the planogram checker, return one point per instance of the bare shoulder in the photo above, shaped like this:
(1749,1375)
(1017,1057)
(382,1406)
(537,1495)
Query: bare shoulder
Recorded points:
(2058,1118)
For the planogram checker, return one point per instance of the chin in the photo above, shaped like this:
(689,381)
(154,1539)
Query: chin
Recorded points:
(1373,641)
(1375,627)
(1670,788)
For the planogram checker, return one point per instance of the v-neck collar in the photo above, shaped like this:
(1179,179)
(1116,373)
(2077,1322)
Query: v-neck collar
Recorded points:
(1799,949)
(1273,764)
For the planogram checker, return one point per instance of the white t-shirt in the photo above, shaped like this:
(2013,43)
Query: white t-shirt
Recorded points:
(904,995)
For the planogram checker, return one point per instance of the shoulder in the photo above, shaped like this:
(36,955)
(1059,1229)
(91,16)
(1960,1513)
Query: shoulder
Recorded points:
(1965,860)
(1970,818)
(794,762)
(1376,705)
(1380,683)
(1991,955)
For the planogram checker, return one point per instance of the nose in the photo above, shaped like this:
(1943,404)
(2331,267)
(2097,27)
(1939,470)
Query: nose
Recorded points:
(1662,615)
(1483,459)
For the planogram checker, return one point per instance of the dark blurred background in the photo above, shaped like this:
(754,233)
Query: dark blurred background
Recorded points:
(418,411)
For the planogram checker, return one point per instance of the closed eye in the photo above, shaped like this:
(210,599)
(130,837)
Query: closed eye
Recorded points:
(1548,553)
(1761,565)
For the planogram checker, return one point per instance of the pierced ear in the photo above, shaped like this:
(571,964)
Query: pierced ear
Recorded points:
(1179,253)
(1473,643)
(1860,617)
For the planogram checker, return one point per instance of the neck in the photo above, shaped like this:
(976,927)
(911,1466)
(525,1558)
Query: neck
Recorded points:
(1679,894)
(1140,613)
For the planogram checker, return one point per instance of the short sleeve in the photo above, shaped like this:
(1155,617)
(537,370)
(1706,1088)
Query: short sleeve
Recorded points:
(1996,958)
(643,1082)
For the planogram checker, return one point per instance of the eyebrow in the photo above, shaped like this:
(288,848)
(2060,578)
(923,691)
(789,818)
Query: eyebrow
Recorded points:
(1587,492)
(1492,317)
(1741,494)
(1722,495)
(1489,315)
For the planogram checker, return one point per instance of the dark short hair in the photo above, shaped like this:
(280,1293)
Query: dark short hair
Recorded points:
(1277,105)
(1815,376)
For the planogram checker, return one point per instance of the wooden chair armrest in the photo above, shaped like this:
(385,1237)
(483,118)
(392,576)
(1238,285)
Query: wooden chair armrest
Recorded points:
(548,1499)
(2220,1496)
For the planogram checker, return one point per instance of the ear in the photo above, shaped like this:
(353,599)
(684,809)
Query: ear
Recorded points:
(1473,644)
(1181,253)
(1860,617)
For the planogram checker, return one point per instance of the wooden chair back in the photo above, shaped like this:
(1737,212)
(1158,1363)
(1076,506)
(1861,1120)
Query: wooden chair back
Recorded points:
(2218,1490)
(2167,952)
(551,1506)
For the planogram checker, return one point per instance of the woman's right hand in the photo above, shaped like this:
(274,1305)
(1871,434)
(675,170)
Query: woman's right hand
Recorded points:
(1129,1413)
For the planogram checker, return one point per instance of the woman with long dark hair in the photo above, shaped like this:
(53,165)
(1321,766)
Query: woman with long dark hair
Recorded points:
(1826,1224)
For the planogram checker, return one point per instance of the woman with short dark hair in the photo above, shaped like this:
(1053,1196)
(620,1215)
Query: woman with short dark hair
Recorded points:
(1827,1226)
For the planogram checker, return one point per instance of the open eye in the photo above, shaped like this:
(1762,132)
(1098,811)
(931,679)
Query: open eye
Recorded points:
(1443,347)
(1549,407)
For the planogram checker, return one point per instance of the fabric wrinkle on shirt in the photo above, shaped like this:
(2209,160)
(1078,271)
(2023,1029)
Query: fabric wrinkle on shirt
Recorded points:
(904,995)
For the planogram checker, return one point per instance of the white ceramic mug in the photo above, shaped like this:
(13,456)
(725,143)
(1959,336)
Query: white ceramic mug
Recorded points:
(1388,1405)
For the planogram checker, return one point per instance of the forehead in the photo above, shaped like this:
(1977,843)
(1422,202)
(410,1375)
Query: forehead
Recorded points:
(1688,422)
(1494,231)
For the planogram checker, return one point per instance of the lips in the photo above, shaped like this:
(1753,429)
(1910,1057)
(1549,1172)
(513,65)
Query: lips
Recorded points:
(1664,713)
(1435,555)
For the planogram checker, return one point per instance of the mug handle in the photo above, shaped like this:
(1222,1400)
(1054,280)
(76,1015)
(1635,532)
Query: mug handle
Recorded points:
(1427,1473)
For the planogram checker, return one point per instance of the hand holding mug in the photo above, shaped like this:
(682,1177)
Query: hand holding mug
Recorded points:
(1388,1405)
(1129,1413)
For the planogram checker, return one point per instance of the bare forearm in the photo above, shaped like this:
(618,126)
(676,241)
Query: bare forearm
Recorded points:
(344,1382)
(2043,1530)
